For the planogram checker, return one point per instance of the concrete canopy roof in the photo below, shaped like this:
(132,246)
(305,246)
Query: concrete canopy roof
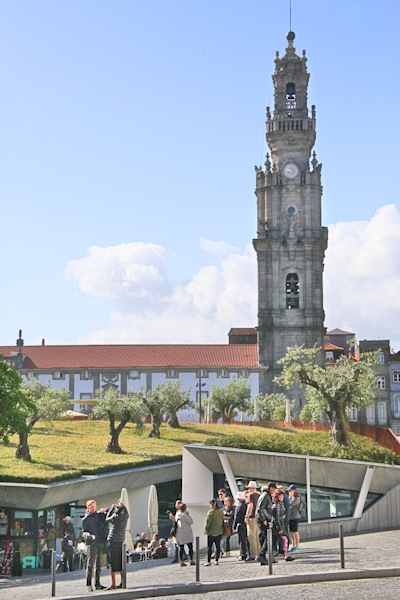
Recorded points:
(36,497)
(324,472)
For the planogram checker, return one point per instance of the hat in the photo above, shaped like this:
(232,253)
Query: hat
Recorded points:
(67,518)
(252,484)
(272,484)
(240,496)
(292,487)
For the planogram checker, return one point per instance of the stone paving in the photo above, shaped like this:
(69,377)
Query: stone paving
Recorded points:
(366,552)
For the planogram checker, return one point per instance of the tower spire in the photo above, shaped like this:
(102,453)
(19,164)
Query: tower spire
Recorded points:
(290,241)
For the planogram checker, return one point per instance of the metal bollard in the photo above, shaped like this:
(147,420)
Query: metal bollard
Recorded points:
(123,573)
(341,540)
(197,559)
(270,550)
(53,572)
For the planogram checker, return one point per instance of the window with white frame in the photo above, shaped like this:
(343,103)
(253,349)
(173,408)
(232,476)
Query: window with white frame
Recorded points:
(381,357)
(396,404)
(223,373)
(202,373)
(244,373)
(58,375)
(329,356)
(86,375)
(352,413)
(86,396)
(381,381)
(397,429)
(382,418)
(172,373)
(396,376)
(134,374)
(370,415)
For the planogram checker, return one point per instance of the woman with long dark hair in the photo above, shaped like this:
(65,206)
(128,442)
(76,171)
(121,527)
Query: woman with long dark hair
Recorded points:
(213,528)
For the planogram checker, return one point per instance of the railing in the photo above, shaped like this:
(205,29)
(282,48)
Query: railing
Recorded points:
(290,125)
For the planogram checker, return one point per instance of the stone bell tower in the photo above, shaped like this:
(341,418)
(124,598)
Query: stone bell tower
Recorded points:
(290,241)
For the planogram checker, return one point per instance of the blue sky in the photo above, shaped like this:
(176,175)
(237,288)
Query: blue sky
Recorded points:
(129,132)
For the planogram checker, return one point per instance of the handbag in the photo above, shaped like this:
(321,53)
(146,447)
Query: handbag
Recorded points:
(227,530)
(174,529)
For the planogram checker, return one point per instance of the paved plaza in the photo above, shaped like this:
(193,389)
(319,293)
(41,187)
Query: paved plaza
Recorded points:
(368,556)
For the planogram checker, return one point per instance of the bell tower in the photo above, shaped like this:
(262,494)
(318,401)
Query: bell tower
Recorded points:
(290,242)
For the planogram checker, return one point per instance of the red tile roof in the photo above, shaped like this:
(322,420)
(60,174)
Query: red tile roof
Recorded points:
(329,346)
(136,356)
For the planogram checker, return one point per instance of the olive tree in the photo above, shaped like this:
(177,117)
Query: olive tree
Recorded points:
(226,401)
(333,390)
(12,401)
(119,412)
(41,402)
(272,407)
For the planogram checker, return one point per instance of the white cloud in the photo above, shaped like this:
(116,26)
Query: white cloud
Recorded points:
(362,276)
(152,310)
(361,287)
(129,275)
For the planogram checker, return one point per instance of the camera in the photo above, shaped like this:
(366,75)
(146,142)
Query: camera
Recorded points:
(168,512)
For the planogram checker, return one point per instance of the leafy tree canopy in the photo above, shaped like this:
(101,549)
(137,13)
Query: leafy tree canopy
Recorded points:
(124,409)
(41,402)
(334,390)
(12,400)
(225,402)
(272,407)
(173,399)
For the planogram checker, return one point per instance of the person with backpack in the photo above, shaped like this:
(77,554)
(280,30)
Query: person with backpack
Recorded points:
(296,508)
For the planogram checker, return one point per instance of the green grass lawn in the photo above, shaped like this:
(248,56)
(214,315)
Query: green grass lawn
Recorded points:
(68,449)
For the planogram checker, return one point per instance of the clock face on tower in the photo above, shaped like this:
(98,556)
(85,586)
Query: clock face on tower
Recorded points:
(290,170)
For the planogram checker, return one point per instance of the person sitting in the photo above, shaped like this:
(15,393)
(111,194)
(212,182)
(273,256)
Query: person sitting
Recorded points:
(155,542)
(142,542)
(160,551)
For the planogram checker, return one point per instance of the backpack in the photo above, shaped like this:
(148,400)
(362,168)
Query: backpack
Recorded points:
(302,506)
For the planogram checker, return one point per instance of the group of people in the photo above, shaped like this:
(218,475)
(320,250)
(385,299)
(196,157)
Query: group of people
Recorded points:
(250,516)
(271,507)
(157,547)
(253,513)
(99,528)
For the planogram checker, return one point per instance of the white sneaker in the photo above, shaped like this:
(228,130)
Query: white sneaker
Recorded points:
(216,563)
(206,564)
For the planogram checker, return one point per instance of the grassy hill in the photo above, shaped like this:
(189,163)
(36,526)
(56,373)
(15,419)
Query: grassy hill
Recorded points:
(69,449)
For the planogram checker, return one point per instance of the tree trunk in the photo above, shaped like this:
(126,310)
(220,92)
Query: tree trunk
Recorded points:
(173,422)
(155,430)
(23,447)
(113,445)
(340,430)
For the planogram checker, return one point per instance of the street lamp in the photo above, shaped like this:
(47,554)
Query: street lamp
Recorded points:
(200,385)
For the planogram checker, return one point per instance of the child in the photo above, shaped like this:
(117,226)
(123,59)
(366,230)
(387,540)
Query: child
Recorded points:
(67,547)
(279,519)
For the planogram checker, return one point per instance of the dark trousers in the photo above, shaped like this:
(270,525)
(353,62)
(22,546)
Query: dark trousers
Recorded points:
(211,540)
(243,542)
(68,562)
(182,553)
(263,539)
(94,563)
